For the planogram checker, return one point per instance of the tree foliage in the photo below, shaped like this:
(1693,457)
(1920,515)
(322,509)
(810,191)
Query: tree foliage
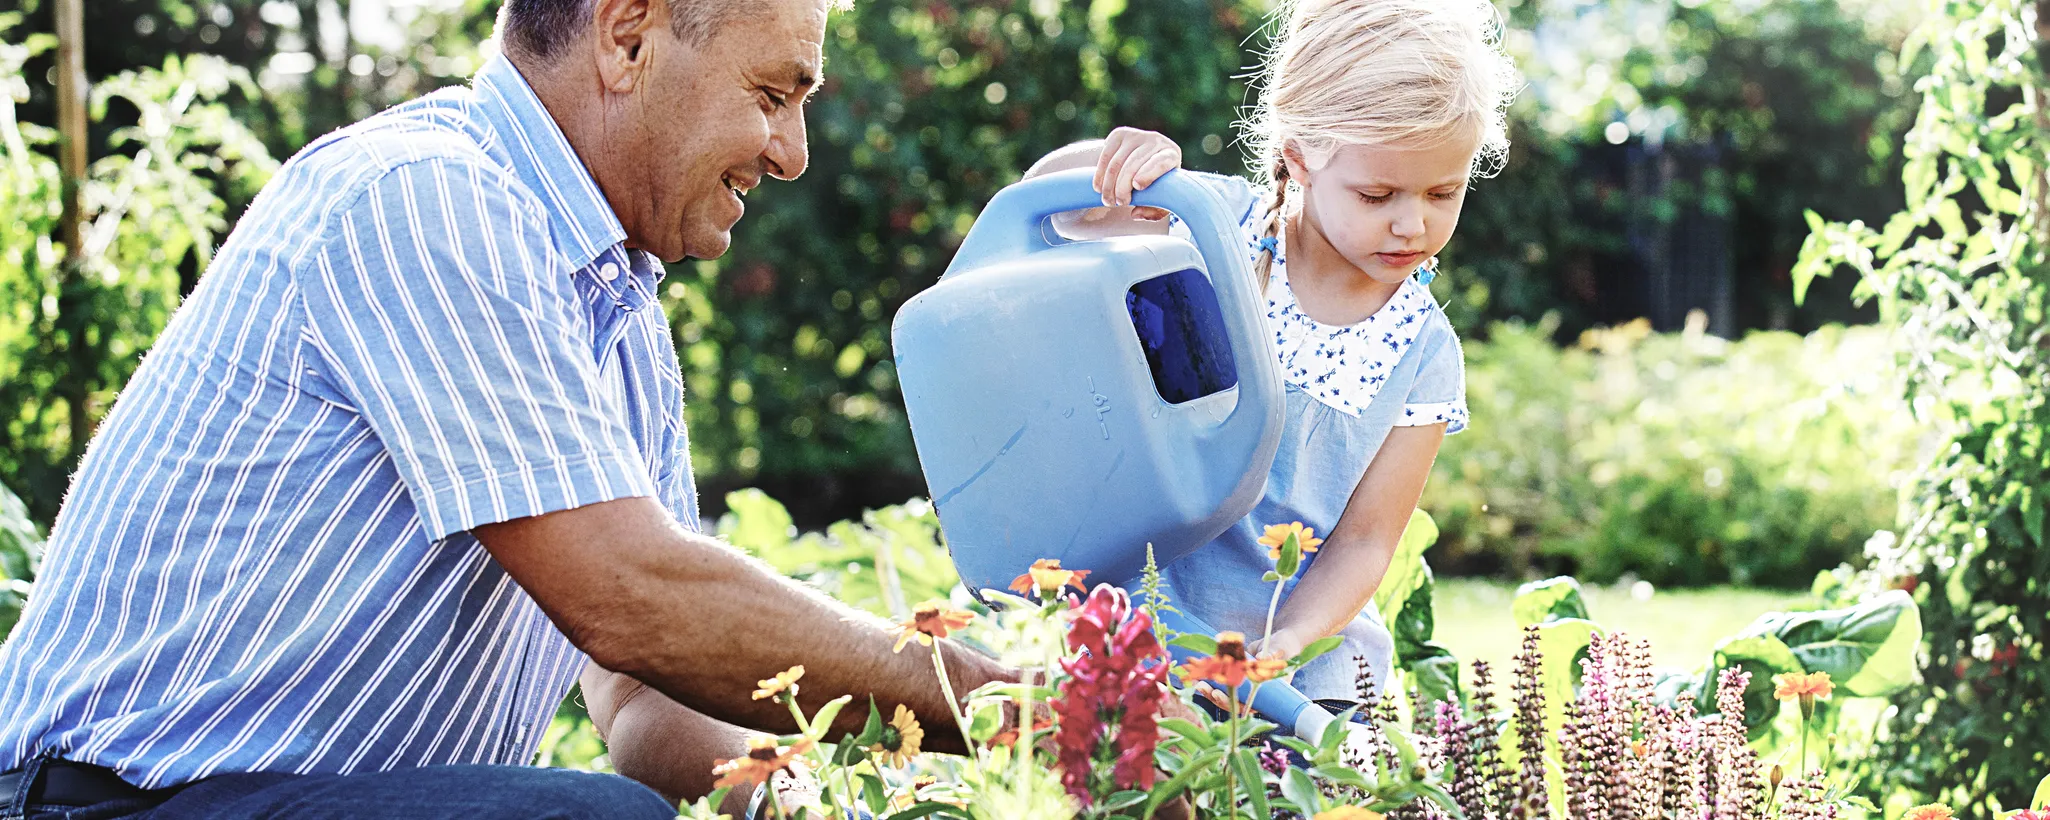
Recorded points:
(1963,274)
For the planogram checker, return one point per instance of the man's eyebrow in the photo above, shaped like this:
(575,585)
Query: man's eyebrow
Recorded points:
(800,76)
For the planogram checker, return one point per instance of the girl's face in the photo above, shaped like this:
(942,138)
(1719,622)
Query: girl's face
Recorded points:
(1385,209)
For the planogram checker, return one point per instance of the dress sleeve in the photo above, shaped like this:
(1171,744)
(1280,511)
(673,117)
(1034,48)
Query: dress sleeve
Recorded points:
(1439,393)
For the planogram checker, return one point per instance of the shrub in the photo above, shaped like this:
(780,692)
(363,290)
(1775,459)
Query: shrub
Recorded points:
(1681,458)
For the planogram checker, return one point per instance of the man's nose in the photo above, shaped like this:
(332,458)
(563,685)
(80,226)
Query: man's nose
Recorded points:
(787,154)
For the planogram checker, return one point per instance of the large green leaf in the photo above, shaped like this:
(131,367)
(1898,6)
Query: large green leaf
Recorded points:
(1540,602)
(1432,668)
(1764,656)
(1868,649)
(755,522)
(20,549)
(1406,569)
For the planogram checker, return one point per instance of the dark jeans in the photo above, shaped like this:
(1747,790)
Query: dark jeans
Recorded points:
(512,792)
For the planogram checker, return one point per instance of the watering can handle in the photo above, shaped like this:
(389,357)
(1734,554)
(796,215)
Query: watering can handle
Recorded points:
(1277,701)
(1010,227)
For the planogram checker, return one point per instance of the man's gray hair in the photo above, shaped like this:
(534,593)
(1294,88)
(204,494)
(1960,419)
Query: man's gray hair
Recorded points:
(540,29)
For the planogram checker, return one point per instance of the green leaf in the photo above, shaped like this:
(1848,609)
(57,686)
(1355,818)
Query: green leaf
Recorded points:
(1198,764)
(1123,799)
(1434,671)
(985,723)
(874,793)
(1252,782)
(1317,648)
(1201,644)
(1186,729)
(1406,567)
(1298,789)
(1291,556)
(920,810)
(828,713)
(1342,775)
(1868,650)
(848,751)
(872,731)
(1763,656)
(1549,600)
(755,522)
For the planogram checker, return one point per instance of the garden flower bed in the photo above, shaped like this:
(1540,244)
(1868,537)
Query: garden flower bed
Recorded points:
(1584,727)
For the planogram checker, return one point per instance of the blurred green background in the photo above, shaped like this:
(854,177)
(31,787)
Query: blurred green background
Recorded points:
(1649,401)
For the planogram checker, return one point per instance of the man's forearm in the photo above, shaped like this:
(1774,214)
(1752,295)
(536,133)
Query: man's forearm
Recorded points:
(701,623)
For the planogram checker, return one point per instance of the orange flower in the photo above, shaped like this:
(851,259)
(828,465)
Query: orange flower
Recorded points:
(1047,577)
(765,756)
(1930,811)
(786,679)
(1796,685)
(1349,813)
(1278,534)
(932,619)
(1230,666)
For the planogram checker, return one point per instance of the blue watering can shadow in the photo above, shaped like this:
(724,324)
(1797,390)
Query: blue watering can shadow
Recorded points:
(1083,400)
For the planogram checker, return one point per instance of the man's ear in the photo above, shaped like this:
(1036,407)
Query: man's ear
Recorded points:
(620,30)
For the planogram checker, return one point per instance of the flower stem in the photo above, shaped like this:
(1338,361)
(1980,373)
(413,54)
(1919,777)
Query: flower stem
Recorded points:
(1273,604)
(939,665)
(1231,746)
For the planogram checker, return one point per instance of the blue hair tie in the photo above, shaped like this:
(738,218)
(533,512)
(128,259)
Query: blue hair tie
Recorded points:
(1427,272)
(1268,244)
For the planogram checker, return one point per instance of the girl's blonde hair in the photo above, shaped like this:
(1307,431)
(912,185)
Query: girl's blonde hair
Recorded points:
(1379,72)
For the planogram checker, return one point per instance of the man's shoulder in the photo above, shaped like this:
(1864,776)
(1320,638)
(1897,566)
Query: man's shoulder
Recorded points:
(440,130)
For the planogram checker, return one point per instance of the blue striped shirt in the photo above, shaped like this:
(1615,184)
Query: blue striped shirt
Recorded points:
(427,322)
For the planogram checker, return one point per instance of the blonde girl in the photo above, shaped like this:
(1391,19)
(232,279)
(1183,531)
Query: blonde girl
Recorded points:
(1373,117)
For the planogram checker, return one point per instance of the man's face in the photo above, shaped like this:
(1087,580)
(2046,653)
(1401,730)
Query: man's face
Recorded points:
(705,124)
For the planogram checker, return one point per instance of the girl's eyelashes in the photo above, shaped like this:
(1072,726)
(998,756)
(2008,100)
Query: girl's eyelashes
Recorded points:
(1374,199)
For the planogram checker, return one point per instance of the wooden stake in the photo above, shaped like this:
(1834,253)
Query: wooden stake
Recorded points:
(71,124)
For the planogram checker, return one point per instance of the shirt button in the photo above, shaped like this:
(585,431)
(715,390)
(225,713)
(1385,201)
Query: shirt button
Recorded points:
(609,271)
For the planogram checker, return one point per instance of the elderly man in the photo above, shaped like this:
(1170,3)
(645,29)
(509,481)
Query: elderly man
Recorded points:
(412,457)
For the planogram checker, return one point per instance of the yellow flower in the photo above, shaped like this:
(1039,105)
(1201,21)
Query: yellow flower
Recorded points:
(1348,813)
(900,739)
(765,756)
(1278,534)
(929,620)
(1047,577)
(1796,685)
(1930,811)
(786,679)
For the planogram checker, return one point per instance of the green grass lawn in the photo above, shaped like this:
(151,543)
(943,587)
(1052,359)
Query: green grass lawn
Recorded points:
(1683,625)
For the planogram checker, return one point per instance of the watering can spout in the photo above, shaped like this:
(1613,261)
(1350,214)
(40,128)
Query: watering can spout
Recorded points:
(1276,701)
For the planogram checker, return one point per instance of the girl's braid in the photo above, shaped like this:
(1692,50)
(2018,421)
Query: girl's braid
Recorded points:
(1270,233)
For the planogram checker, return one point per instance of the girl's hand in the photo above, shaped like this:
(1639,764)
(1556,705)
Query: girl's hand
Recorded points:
(1284,644)
(1132,159)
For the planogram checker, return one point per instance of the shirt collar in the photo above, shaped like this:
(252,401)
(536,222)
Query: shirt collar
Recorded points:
(582,221)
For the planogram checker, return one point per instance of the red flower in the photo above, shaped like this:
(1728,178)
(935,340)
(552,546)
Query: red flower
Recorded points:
(1108,709)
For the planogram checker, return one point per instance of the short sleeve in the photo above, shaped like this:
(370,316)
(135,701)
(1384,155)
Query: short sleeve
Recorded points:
(1439,393)
(1240,197)
(451,324)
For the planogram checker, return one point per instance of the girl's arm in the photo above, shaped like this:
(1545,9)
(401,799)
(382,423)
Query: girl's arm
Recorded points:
(1355,555)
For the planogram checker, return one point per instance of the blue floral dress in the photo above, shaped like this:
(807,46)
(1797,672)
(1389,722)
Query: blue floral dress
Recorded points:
(1346,388)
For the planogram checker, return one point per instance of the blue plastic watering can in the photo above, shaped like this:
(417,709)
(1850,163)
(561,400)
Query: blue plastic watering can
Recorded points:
(1082,400)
